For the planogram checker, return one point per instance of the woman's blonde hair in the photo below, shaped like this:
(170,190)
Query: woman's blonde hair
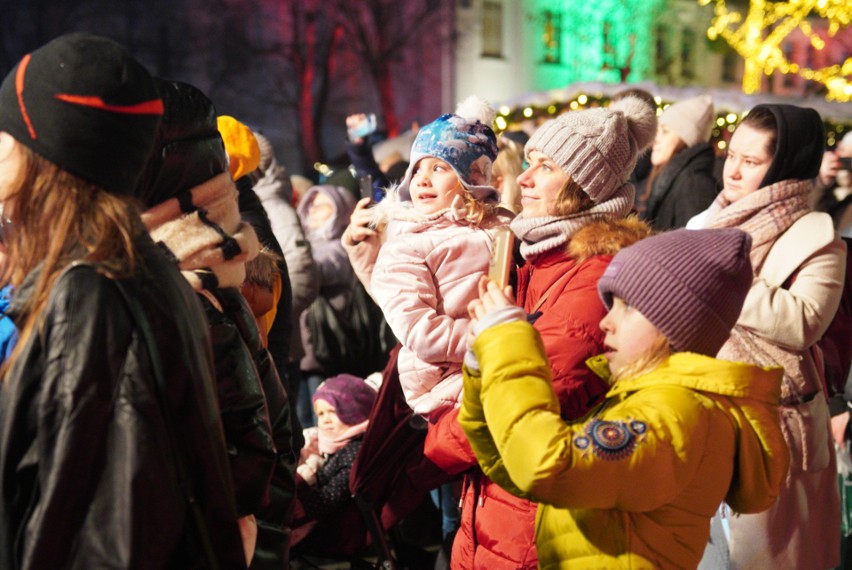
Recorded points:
(509,165)
(571,199)
(58,218)
(656,354)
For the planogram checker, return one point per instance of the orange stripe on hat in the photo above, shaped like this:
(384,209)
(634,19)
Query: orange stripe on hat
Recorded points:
(152,107)
(19,89)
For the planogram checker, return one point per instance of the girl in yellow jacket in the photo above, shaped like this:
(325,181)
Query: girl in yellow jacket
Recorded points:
(635,483)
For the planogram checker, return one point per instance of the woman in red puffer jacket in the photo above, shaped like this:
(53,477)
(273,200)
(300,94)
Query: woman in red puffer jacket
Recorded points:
(576,201)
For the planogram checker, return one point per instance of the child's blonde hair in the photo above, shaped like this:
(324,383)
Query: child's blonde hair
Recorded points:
(508,165)
(656,354)
(477,210)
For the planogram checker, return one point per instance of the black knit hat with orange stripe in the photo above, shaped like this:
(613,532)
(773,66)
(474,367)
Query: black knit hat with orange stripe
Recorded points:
(83,103)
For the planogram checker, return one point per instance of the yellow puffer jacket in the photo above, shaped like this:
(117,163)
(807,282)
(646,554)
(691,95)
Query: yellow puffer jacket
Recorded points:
(635,483)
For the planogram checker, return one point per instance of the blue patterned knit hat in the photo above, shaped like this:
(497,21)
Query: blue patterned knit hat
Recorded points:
(465,141)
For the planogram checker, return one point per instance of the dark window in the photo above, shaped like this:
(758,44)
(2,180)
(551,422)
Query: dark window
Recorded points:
(662,61)
(552,37)
(492,29)
(789,78)
(687,54)
(729,66)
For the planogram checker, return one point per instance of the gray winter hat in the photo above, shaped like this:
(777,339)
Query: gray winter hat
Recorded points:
(598,147)
(691,119)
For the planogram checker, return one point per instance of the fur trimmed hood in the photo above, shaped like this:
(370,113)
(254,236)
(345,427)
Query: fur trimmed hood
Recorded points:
(607,237)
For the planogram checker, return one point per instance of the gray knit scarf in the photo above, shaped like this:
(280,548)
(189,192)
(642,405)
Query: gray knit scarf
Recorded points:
(539,235)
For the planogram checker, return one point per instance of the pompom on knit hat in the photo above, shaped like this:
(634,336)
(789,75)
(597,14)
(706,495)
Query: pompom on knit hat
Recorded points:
(241,146)
(466,141)
(351,397)
(597,147)
(691,284)
(83,103)
(690,119)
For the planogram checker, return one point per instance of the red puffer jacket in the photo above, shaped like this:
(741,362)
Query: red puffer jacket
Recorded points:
(498,529)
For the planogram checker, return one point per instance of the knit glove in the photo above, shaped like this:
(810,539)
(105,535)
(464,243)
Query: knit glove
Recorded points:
(497,317)
(308,469)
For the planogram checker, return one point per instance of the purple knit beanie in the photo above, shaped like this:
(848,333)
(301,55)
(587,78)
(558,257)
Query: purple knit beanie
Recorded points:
(351,397)
(691,284)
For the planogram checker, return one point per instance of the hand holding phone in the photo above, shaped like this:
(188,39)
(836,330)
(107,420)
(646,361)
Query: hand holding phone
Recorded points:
(365,185)
(502,258)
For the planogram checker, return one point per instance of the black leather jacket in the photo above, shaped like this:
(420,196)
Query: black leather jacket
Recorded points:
(273,519)
(87,472)
(243,409)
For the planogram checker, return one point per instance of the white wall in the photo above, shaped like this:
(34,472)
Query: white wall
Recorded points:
(495,79)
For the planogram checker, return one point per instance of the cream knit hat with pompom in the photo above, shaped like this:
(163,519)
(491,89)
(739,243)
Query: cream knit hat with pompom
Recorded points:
(598,147)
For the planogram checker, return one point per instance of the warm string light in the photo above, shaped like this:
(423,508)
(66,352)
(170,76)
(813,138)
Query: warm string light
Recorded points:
(759,36)
(726,121)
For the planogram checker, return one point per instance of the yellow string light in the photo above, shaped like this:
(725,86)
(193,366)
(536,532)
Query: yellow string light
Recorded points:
(759,36)
(725,121)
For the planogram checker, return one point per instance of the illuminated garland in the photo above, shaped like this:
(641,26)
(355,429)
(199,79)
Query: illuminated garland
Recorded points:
(759,36)
(726,121)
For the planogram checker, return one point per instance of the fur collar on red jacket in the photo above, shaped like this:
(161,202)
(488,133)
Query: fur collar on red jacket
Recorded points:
(606,237)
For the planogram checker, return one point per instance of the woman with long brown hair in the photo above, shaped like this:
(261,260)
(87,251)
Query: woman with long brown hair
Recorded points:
(111,450)
(681,182)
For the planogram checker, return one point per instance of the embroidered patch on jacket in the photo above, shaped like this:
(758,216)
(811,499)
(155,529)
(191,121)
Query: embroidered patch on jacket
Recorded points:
(611,440)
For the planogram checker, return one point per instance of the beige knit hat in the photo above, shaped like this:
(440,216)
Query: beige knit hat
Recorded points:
(691,119)
(598,147)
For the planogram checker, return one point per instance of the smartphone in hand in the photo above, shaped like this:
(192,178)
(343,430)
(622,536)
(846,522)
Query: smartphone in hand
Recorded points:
(502,258)
(365,184)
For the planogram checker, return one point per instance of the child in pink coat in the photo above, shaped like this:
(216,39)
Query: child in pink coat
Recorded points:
(440,227)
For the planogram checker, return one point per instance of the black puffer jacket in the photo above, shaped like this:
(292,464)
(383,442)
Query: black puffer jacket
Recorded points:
(684,188)
(87,476)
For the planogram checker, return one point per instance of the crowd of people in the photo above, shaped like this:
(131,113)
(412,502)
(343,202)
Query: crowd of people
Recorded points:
(196,350)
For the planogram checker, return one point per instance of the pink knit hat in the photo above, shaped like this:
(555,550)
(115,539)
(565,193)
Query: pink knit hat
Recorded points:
(598,147)
(691,284)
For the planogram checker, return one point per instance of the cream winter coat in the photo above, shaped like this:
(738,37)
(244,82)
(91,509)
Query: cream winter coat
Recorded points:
(798,531)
